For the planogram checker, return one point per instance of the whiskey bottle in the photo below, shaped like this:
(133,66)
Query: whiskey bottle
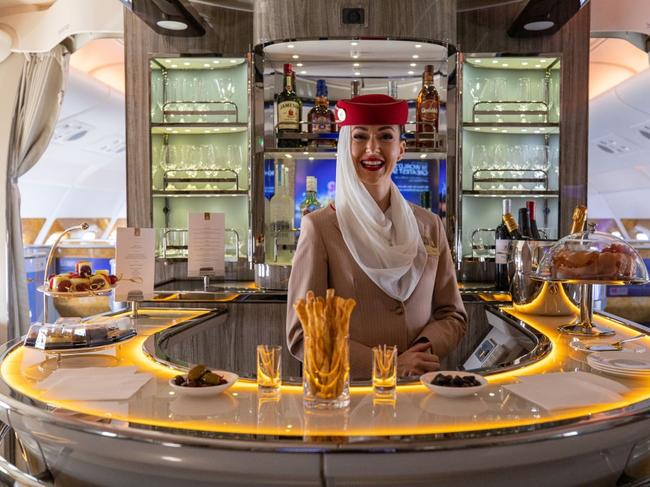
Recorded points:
(502,241)
(320,119)
(289,107)
(427,111)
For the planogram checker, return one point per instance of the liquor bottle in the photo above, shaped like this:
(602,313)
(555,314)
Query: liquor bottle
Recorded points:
(310,203)
(281,210)
(502,241)
(428,108)
(425,199)
(320,119)
(524,223)
(513,228)
(355,88)
(579,218)
(289,109)
(533,221)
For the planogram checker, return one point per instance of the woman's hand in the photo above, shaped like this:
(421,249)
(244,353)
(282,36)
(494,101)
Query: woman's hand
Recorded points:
(417,360)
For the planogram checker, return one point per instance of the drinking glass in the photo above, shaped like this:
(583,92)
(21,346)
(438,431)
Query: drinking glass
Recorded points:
(478,89)
(523,89)
(479,157)
(269,368)
(500,89)
(384,368)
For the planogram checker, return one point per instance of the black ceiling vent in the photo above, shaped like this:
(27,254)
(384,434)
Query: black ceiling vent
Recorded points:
(168,17)
(544,17)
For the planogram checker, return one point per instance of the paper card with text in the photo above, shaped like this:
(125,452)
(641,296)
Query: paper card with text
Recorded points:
(134,255)
(206,244)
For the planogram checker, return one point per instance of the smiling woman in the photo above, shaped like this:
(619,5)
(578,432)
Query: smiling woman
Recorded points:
(375,247)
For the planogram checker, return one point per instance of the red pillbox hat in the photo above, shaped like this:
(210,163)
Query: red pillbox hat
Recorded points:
(372,110)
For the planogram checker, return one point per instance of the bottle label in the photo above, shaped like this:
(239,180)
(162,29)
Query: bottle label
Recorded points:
(501,255)
(320,124)
(429,111)
(289,115)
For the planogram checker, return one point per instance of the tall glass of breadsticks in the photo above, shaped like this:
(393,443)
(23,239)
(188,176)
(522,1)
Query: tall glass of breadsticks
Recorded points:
(326,368)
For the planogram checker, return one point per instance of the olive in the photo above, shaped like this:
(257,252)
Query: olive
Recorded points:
(179,380)
(212,379)
(196,372)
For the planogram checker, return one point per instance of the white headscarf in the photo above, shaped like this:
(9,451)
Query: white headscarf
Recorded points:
(387,246)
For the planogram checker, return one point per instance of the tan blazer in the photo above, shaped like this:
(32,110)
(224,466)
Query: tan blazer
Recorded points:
(434,310)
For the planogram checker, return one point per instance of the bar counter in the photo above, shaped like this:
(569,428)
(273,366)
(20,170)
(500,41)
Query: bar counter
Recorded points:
(242,438)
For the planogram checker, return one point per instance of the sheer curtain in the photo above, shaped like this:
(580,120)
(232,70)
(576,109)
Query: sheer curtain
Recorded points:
(37,109)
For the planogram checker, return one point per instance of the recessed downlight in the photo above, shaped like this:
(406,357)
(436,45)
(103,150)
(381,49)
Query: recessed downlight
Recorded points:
(216,61)
(303,72)
(355,56)
(171,25)
(233,61)
(300,65)
(356,65)
(290,46)
(413,65)
(478,61)
(354,43)
(415,56)
(295,56)
(411,72)
(357,73)
(186,63)
(418,46)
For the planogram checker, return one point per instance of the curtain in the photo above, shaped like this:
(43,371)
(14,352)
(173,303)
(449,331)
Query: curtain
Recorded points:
(40,94)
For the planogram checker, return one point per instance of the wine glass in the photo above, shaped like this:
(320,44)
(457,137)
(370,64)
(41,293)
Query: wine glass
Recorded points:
(478,89)
(479,157)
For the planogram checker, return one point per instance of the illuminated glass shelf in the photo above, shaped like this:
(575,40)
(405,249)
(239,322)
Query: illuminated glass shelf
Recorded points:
(511,192)
(197,128)
(311,154)
(198,192)
(513,128)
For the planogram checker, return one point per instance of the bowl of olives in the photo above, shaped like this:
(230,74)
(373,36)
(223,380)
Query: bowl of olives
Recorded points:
(453,383)
(201,381)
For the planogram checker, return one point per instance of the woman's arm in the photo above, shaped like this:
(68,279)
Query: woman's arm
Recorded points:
(448,316)
(308,272)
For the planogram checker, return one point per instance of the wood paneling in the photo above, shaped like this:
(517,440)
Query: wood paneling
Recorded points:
(485,30)
(314,19)
(229,33)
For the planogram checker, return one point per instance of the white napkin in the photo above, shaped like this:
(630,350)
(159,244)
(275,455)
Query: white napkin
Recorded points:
(562,390)
(93,384)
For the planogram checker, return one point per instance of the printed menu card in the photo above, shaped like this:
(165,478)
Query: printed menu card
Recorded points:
(206,244)
(134,255)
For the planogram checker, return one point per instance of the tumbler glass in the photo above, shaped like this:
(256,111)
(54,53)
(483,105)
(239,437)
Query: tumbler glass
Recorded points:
(384,368)
(269,368)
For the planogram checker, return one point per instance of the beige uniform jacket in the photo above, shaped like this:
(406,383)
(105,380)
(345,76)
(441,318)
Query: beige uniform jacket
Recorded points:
(434,310)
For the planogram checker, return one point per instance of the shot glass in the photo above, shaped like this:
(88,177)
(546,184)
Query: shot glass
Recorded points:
(269,368)
(384,368)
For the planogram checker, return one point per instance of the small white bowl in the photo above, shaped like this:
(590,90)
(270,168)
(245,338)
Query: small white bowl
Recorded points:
(450,391)
(230,377)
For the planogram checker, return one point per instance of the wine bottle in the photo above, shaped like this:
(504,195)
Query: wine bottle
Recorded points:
(502,241)
(289,109)
(513,228)
(533,222)
(524,223)
(579,218)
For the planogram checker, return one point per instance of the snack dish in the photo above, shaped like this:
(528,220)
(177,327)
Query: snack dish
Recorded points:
(201,381)
(453,383)
(592,258)
(66,336)
(82,280)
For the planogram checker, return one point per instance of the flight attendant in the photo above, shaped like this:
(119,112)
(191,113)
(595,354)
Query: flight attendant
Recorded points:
(374,246)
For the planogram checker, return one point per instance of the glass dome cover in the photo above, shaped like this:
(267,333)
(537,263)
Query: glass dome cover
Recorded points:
(592,257)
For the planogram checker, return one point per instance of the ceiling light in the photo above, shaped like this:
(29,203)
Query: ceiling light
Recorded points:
(290,46)
(295,56)
(413,65)
(418,46)
(354,43)
(356,65)
(415,56)
(171,24)
(538,25)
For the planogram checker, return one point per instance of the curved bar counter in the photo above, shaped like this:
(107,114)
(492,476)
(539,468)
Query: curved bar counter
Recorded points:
(242,438)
